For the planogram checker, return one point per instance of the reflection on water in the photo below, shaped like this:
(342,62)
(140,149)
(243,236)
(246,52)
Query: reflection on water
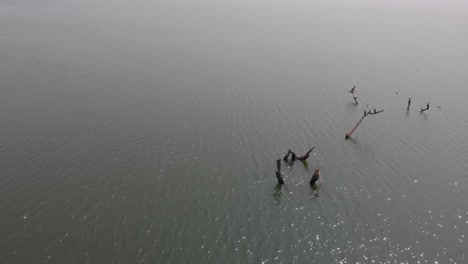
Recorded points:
(278,194)
(315,189)
(353,140)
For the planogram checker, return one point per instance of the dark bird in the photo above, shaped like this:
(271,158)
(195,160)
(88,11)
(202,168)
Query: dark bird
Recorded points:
(315,177)
(305,156)
(279,174)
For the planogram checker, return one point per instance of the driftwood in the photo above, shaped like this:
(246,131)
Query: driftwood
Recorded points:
(305,156)
(353,92)
(348,135)
(315,177)
(355,99)
(294,156)
(425,109)
(279,174)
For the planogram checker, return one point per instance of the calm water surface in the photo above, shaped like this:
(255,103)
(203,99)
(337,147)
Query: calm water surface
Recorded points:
(148,132)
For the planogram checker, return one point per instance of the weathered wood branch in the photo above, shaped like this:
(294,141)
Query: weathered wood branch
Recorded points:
(279,174)
(348,135)
(373,113)
(425,109)
(353,93)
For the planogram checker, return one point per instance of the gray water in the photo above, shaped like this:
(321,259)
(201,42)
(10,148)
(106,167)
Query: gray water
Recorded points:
(147,132)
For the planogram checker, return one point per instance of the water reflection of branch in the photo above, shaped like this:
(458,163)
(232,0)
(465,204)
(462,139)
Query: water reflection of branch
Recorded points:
(278,194)
(315,190)
(353,140)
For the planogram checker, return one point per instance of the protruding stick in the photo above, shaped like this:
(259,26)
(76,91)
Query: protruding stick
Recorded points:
(305,156)
(279,174)
(409,103)
(315,177)
(348,135)
(427,108)
(355,99)
(353,92)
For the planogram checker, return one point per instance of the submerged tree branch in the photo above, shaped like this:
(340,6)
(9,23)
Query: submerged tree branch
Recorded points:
(348,135)
(425,109)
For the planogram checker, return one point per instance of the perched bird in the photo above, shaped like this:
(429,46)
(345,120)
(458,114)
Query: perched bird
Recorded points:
(279,174)
(315,177)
